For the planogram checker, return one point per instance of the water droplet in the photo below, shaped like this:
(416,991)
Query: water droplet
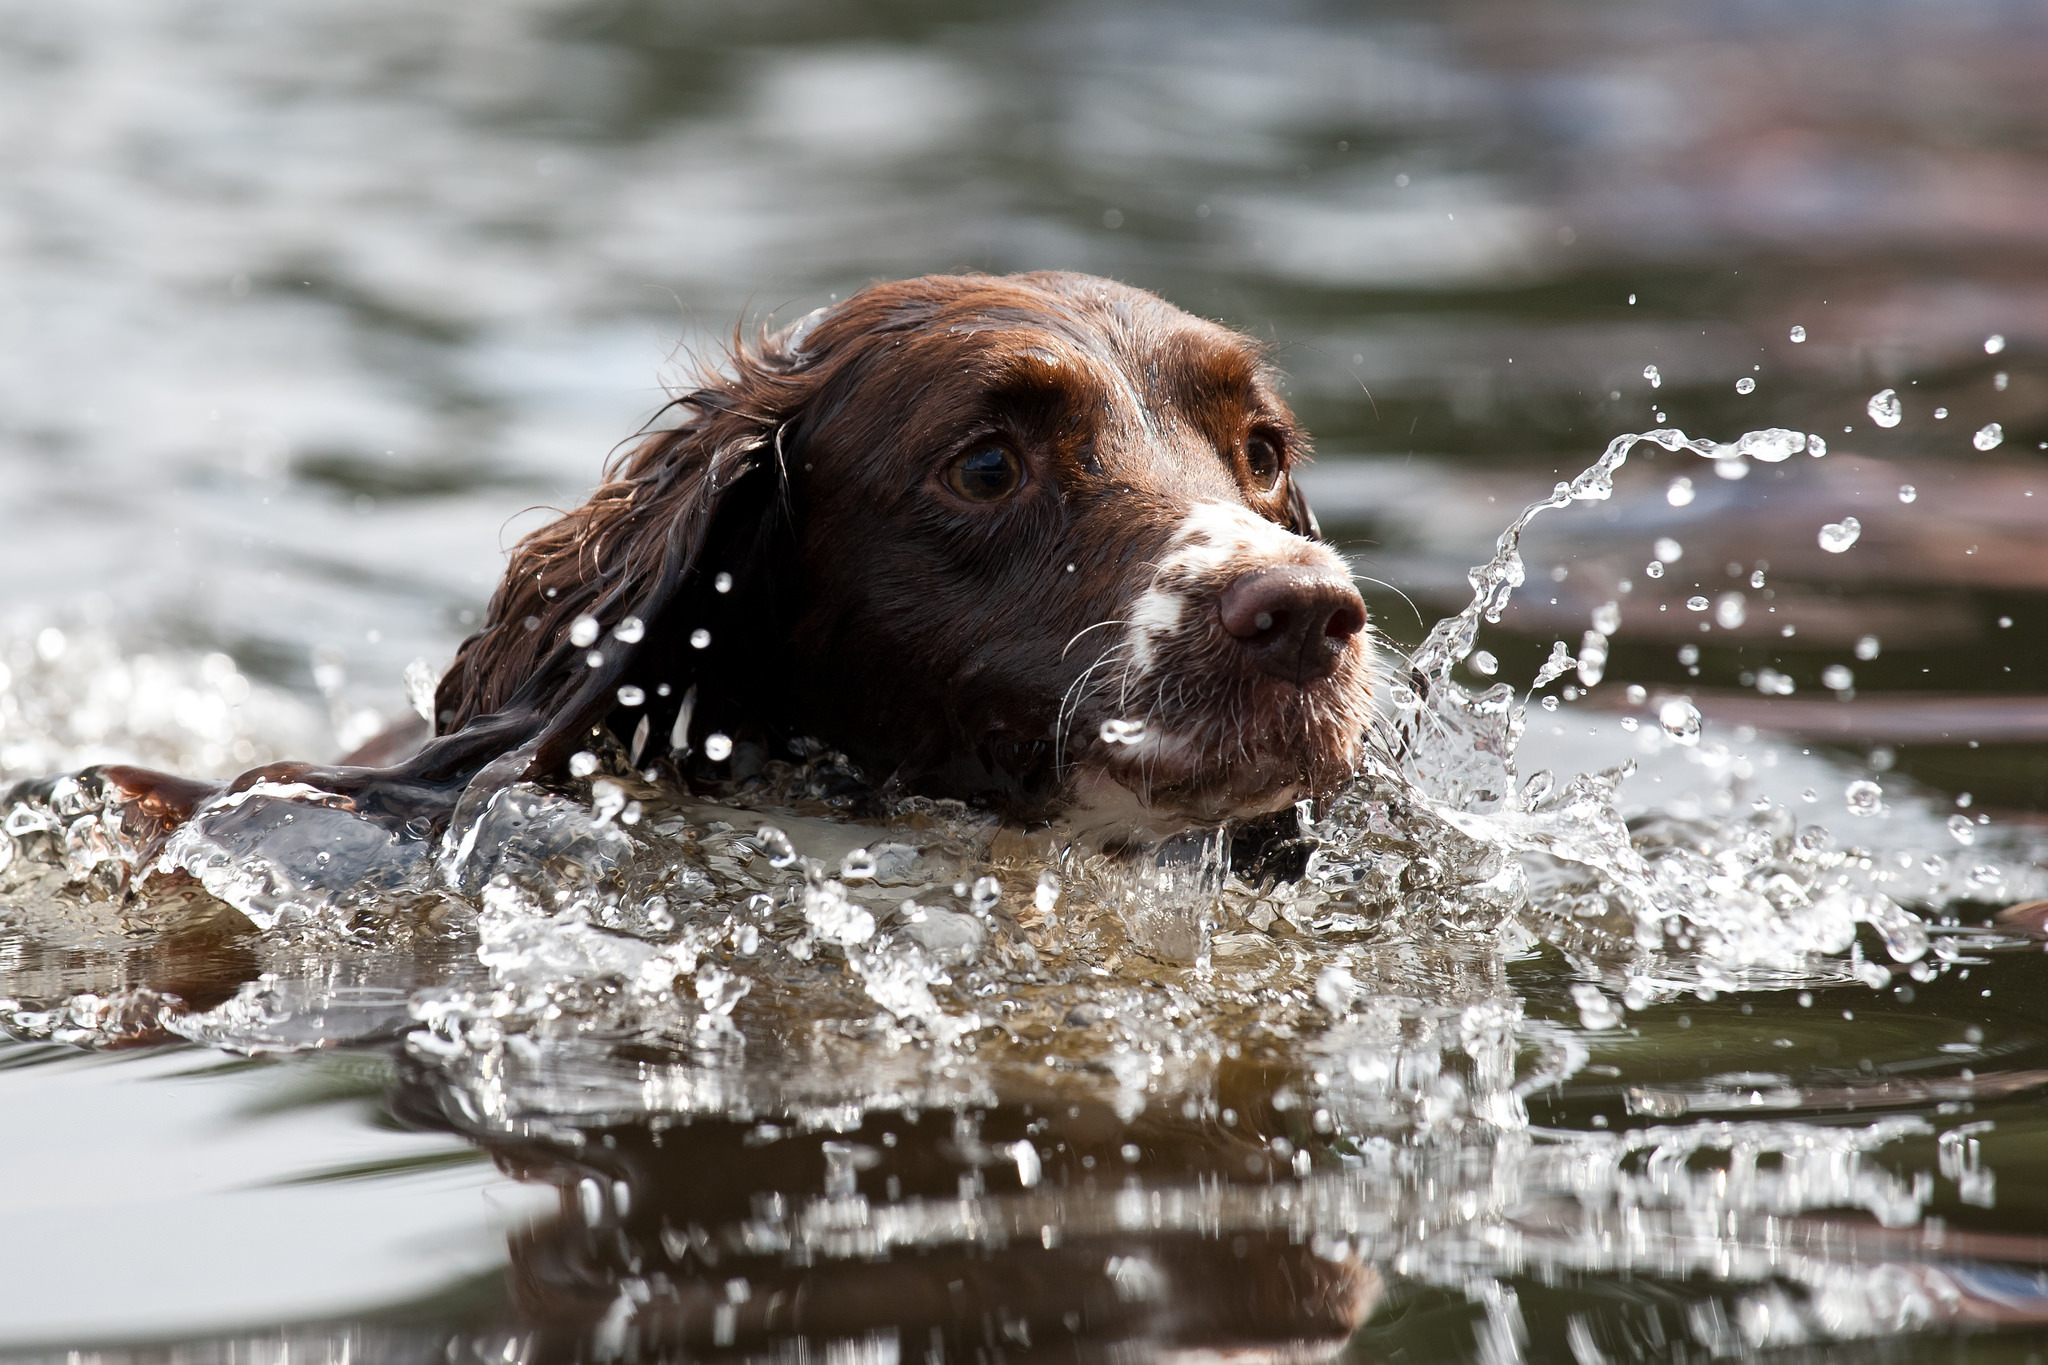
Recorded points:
(1654,569)
(1549,703)
(1483,663)
(1656,379)
(1867,648)
(1988,436)
(775,846)
(1961,828)
(1688,654)
(1940,414)
(1756,580)
(1837,677)
(2000,380)
(1798,334)
(1630,724)
(594,659)
(1697,604)
(1816,446)
(2004,623)
(1668,550)
(700,638)
(1596,1011)
(1335,989)
(1637,694)
(1745,385)
(1863,797)
(1907,492)
(583,632)
(857,866)
(722,583)
(1731,609)
(630,631)
(582,763)
(717,747)
(1607,617)
(1773,445)
(1115,731)
(1680,719)
(1837,536)
(1047,895)
(1771,683)
(1885,409)
(987,891)
(1680,493)
(1993,344)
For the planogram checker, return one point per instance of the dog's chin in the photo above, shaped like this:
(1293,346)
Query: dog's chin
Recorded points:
(1161,786)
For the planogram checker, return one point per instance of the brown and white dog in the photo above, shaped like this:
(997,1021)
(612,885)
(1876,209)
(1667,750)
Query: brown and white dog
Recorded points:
(1031,541)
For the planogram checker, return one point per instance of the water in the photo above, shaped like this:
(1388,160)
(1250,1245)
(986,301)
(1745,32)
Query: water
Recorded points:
(1724,1056)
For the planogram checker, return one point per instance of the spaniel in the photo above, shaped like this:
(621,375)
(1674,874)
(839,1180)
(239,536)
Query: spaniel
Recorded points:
(1034,542)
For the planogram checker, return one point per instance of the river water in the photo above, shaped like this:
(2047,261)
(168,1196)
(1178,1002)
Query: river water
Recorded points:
(304,306)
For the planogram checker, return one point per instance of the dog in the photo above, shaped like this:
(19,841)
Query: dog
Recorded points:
(1033,542)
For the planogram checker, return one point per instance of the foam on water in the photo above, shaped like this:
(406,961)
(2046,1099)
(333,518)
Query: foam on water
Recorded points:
(614,952)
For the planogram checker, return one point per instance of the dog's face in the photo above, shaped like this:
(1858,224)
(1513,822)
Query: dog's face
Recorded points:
(1050,543)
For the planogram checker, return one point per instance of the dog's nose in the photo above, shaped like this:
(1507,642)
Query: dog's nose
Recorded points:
(1295,619)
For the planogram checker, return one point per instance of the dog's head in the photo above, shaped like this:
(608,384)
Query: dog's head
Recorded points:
(1033,540)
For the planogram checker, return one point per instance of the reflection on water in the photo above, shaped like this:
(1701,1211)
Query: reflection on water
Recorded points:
(300,305)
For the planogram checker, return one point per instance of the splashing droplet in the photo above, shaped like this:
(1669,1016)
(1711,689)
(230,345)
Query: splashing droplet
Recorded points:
(1654,569)
(1989,436)
(583,632)
(1745,385)
(1993,344)
(1837,536)
(582,763)
(1680,719)
(1651,373)
(1962,829)
(1668,550)
(1816,446)
(1798,335)
(1483,663)
(717,748)
(1697,604)
(630,695)
(775,845)
(1731,609)
(630,631)
(1607,617)
(1773,445)
(1867,648)
(722,583)
(1907,492)
(700,638)
(1122,731)
(857,866)
(1837,677)
(1885,409)
(1863,797)
(1680,493)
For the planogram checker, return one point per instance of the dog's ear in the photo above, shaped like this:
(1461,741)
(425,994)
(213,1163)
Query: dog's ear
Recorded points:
(1300,519)
(678,539)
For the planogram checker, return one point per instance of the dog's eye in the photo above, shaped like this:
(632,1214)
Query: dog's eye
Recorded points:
(1262,457)
(986,473)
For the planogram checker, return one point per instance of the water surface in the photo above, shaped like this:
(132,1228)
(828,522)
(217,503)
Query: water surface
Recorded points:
(302,308)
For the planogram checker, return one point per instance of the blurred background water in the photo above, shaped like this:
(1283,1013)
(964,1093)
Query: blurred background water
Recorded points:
(301,305)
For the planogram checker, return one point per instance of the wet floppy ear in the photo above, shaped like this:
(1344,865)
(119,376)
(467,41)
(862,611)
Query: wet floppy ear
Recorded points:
(588,597)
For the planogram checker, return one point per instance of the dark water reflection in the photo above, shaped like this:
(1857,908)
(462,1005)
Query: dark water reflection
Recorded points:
(300,305)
